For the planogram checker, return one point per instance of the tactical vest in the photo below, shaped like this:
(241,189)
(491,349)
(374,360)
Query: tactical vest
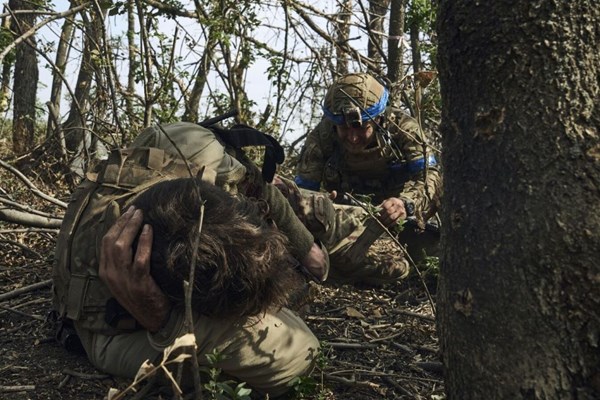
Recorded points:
(94,206)
(157,154)
(373,171)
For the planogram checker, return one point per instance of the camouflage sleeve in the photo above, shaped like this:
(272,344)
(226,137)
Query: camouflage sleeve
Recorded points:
(280,210)
(423,188)
(315,152)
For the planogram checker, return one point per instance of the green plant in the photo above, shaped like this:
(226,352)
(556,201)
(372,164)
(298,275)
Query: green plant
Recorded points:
(309,387)
(221,390)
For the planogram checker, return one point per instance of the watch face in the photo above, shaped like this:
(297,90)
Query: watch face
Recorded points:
(409,207)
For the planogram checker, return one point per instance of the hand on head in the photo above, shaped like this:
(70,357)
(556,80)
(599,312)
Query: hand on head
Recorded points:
(127,275)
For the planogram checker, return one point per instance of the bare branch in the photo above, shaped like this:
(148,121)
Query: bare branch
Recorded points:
(37,27)
(31,186)
(28,219)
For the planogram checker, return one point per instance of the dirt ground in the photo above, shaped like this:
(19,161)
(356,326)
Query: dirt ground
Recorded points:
(379,343)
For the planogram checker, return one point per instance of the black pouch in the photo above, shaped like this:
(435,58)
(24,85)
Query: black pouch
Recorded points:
(65,333)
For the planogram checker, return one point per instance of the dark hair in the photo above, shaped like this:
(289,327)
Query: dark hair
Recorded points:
(243,266)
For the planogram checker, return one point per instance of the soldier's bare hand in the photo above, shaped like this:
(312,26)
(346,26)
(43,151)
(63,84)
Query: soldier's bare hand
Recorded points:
(127,275)
(392,211)
(316,263)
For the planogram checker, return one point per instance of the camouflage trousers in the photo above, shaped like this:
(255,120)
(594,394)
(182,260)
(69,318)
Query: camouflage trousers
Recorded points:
(359,251)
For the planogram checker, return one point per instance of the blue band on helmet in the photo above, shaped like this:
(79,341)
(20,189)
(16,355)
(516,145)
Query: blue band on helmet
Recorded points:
(366,114)
(414,166)
(307,184)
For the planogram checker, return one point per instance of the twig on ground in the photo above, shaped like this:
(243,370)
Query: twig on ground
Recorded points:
(317,318)
(12,310)
(338,345)
(81,375)
(18,388)
(351,382)
(385,338)
(399,387)
(431,366)
(401,246)
(25,289)
(64,381)
(414,314)
(22,247)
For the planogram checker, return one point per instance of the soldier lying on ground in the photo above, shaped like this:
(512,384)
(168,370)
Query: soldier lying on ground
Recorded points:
(112,328)
(363,146)
(244,277)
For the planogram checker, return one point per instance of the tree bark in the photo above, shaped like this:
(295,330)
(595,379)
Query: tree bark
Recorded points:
(519,294)
(415,46)
(7,65)
(62,55)
(25,82)
(396,32)
(342,35)
(377,13)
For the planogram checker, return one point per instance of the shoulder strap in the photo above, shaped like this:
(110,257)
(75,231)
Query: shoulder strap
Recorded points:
(240,136)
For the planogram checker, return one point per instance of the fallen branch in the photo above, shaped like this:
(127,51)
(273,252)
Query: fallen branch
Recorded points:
(12,310)
(399,387)
(31,186)
(28,219)
(81,375)
(351,381)
(431,366)
(22,247)
(19,388)
(414,314)
(339,345)
(25,289)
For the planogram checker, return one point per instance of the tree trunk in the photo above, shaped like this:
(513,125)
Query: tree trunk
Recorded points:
(519,295)
(62,55)
(396,32)
(193,102)
(25,82)
(342,35)
(7,65)
(377,12)
(415,46)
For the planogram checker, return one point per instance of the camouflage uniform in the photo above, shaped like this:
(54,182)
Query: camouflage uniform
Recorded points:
(266,351)
(401,169)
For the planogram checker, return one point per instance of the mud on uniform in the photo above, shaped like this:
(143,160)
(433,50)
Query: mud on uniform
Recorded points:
(266,351)
(412,175)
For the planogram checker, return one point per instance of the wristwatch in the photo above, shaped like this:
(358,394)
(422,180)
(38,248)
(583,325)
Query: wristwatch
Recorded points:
(409,206)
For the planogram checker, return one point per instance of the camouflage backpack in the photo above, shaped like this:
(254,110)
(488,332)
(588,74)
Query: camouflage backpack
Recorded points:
(78,293)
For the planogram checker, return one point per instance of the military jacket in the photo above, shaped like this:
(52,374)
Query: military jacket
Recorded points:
(399,163)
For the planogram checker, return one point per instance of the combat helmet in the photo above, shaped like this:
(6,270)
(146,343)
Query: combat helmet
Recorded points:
(355,98)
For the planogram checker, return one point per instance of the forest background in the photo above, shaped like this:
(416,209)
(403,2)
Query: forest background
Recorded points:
(516,113)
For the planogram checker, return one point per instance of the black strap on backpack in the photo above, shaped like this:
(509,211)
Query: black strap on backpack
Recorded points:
(239,136)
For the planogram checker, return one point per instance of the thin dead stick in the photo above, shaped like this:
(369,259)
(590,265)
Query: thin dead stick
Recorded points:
(414,314)
(401,246)
(37,27)
(81,375)
(22,247)
(382,374)
(384,339)
(19,388)
(351,382)
(12,310)
(25,289)
(398,387)
(339,345)
(189,286)
(31,186)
